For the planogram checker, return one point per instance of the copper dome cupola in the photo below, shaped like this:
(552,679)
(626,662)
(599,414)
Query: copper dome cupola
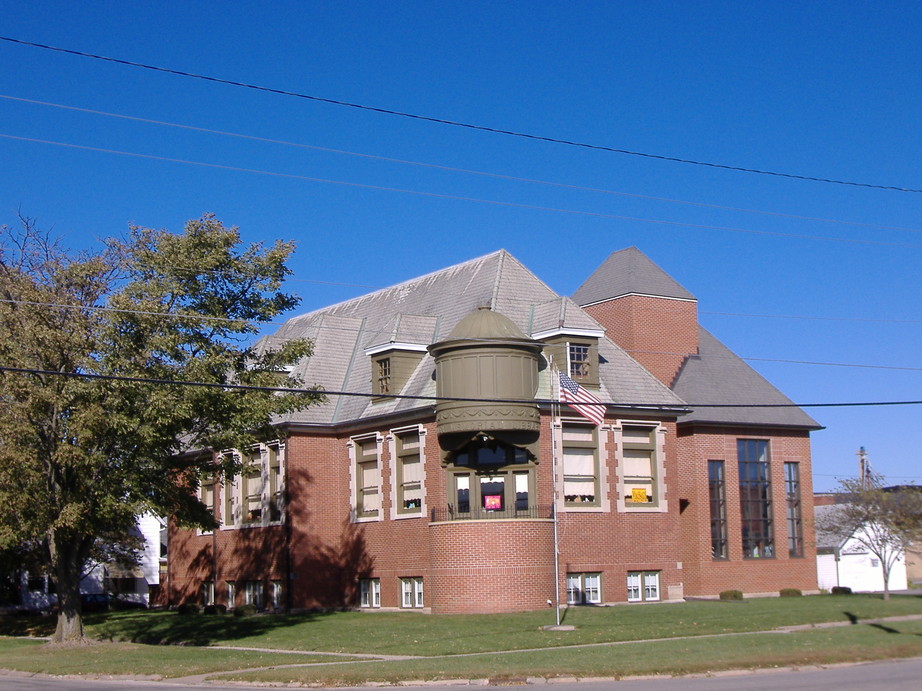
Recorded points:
(489,363)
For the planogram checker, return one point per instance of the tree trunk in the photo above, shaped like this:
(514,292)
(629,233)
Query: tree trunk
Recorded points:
(67,565)
(70,619)
(885,568)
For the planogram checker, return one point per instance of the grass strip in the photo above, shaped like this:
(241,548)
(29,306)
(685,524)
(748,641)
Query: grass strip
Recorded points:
(862,642)
(132,659)
(404,633)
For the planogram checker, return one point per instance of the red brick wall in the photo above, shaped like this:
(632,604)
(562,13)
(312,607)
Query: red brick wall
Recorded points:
(657,332)
(491,566)
(497,565)
(707,576)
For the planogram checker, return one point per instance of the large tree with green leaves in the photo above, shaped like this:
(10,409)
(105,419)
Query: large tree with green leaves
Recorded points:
(886,521)
(116,367)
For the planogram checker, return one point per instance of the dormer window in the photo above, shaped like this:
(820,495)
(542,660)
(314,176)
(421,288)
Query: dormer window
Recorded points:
(392,365)
(580,365)
(574,352)
(383,367)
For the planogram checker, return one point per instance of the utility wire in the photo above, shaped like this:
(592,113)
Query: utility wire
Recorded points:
(548,401)
(427,335)
(455,123)
(476,200)
(467,171)
(814,318)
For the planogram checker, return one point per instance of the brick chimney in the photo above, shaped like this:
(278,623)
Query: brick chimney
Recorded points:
(643,310)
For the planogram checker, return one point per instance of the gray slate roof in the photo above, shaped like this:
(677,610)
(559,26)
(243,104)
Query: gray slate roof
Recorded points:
(423,311)
(717,375)
(628,271)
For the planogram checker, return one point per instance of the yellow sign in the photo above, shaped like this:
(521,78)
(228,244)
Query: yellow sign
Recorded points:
(639,495)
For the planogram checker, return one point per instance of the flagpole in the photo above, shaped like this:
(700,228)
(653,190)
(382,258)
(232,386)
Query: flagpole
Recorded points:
(555,419)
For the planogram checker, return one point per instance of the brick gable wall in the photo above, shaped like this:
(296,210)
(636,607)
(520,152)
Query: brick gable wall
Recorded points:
(657,332)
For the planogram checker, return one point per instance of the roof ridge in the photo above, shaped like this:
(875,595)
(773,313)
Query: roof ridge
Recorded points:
(410,281)
(626,272)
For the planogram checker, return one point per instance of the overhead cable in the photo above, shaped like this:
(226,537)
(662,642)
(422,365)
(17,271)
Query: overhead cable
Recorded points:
(357,394)
(455,123)
(453,197)
(466,171)
(425,335)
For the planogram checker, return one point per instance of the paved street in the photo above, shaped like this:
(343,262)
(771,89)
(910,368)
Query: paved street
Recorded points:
(893,675)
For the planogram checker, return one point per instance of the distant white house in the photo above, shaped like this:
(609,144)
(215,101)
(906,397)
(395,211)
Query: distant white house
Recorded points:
(132,585)
(841,560)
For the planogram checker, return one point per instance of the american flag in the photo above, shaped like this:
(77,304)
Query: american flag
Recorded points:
(582,401)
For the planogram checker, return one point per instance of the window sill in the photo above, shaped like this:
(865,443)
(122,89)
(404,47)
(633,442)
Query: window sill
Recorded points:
(367,519)
(643,508)
(247,526)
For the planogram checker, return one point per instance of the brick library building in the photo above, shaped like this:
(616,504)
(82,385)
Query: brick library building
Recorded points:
(502,448)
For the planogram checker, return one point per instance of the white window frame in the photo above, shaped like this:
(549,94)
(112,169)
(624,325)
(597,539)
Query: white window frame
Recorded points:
(269,507)
(276,595)
(208,593)
(599,446)
(231,594)
(659,503)
(397,453)
(588,444)
(411,593)
(208,486)
(584,588)
(253,593)
(580,369)
(356,461)
(370,593)
(640,585)
(253,488)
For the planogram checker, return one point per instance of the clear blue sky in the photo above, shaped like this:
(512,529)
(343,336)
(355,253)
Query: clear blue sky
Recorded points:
(829,90)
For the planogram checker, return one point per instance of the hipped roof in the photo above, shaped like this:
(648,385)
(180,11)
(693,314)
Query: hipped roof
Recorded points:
(715,375)
(423,311)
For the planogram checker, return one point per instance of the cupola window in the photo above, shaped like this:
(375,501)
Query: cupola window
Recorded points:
(491,479)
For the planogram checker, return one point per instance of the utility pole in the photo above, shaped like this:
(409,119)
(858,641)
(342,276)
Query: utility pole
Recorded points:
(863,467)
(866,474)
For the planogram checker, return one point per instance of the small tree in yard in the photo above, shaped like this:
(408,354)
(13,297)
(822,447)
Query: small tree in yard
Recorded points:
(115,366)
(885,521)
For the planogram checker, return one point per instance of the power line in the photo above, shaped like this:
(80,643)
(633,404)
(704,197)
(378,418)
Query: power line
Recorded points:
(476,200)
(815,318)
(467,171)
(455,123)
(426,335)
(324,392)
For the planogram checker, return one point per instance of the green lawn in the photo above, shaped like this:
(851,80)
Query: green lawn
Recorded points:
(698,655)
(471,643)
(133,659)
(406,633)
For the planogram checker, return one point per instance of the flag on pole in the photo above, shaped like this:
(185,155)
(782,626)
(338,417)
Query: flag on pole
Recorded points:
(582,401)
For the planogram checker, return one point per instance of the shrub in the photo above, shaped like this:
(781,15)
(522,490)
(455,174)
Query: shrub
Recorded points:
(188,608)
(841,590)
(790,592)
(731,595)
(214,609)
(245,611)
